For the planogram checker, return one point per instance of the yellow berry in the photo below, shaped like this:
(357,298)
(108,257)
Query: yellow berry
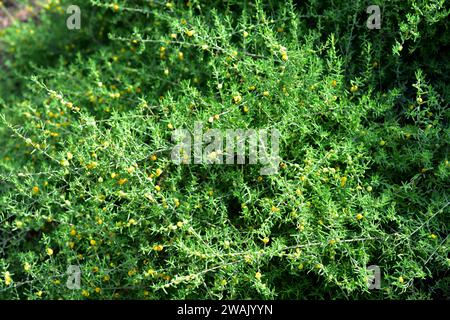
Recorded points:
(8,279)
(64,163)
(343,181)
(237,99)
(92,165)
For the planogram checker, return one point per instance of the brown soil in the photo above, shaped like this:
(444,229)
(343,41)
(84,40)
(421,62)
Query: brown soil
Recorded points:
(11,10)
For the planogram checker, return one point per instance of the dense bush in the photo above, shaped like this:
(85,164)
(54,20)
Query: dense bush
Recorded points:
(86,176)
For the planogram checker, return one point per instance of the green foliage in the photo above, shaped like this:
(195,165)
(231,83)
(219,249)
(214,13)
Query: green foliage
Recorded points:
(86,176)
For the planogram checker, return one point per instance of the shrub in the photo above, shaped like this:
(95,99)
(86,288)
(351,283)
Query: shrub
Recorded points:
(87,178)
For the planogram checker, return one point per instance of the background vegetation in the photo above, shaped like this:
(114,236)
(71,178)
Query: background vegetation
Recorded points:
(86,177)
